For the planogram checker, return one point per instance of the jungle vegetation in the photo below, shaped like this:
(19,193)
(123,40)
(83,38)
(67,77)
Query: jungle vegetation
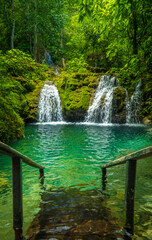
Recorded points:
(83,37)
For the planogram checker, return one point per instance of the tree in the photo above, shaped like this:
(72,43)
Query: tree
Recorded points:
(33,26)
(13,24)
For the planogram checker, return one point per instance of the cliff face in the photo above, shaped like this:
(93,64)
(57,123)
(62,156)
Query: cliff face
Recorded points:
(76,91)
(119,106)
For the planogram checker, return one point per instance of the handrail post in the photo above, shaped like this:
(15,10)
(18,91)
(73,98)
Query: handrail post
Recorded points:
(129,195)
(17,197)
(41,176)
(104,171)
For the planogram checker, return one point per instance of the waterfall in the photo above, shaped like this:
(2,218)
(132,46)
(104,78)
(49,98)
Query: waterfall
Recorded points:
(48,59)
(101,108)
(50,104)
(133,106)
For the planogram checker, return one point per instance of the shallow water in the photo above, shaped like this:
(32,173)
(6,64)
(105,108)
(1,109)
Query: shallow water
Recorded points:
(72,155)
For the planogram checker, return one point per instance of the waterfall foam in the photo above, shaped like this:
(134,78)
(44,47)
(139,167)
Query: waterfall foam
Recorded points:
(101,108)
(50,104)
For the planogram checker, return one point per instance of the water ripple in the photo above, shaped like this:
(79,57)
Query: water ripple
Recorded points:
(72,155)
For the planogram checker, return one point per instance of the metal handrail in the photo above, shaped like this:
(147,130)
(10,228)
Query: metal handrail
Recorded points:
(17,184)
(131,161)
(143,153)
(5,149)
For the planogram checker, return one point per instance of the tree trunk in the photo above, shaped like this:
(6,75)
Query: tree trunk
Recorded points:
(35,32)
(61,35)
(135,46)
(35,43)
(13,25)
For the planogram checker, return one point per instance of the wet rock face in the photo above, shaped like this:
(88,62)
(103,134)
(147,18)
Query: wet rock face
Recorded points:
(119,106)
(75,91)
(118,109)
(74,115)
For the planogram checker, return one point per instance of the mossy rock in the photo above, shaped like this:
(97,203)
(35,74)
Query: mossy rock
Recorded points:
(146,97)
(76,90)
(147,120)
(119,95)
(119,105)
(32,99)
(75,104)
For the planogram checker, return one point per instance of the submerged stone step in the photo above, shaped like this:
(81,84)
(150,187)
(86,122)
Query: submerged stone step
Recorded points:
(73,214)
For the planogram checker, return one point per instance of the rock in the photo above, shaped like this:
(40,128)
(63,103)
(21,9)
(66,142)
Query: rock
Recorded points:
(147,121)
(73,214)
(48,82)
(119,105)
(75,91)
(74,115)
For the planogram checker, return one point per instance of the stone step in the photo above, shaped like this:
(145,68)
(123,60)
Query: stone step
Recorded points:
(73,214)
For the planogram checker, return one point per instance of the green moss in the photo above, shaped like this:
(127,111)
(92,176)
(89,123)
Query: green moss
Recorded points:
(75,90)
(147,96)
(120,97)
(32,99)
(76,99)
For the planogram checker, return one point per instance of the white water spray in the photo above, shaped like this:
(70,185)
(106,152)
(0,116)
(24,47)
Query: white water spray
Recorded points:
(101,108)
(50,104)
(133,106)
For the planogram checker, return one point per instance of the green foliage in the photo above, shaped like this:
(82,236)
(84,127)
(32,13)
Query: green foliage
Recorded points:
(34,19)
(112,35)
(20,76)
(147,96)
(125,34)
(76,65)
(11,124)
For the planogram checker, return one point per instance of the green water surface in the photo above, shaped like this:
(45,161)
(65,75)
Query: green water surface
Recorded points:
(72,155)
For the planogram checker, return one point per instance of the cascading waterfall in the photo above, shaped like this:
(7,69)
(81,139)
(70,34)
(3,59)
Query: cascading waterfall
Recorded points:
(101,108)
(133,106)
(50,104)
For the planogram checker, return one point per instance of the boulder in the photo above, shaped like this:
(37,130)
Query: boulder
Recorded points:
(147,121)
